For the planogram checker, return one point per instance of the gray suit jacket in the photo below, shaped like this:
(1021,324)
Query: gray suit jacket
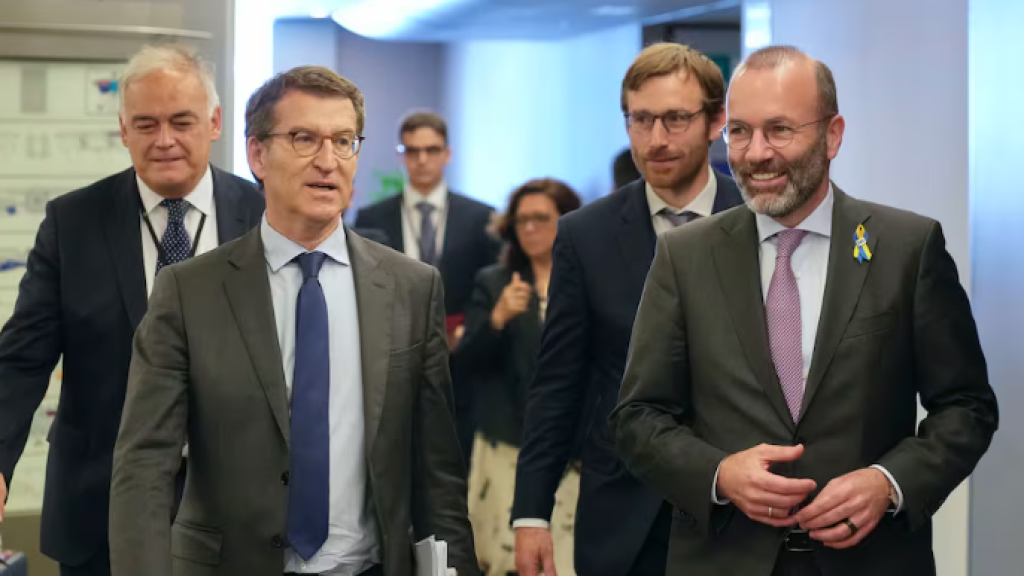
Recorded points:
(207,365)
(700,384)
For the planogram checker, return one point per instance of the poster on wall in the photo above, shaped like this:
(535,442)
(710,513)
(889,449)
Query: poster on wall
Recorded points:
(101,92)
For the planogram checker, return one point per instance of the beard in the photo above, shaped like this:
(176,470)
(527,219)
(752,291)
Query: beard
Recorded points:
(688,165)
(803,177)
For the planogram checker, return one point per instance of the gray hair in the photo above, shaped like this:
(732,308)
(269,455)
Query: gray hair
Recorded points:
(167,57)
(775,57)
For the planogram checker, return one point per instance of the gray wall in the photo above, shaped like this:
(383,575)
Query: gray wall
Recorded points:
(997,283)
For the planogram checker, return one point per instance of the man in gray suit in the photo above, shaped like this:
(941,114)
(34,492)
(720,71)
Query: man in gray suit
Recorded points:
(308,369)
(787,444)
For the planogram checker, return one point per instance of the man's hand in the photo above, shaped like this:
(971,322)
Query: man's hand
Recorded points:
(862,497)
(764,497)
(535,552)
(3,496)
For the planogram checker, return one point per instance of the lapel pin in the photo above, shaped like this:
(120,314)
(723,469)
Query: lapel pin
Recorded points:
(860,244)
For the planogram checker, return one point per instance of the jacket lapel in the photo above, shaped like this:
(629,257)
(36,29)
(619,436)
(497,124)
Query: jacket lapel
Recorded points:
(123,235)
(392,224)
(636,232)
(230,210)
(374,298)
(248,291)
(739,275)
(843,284)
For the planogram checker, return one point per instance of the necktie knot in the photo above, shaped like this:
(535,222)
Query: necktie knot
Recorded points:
(679,218)
(311,262)
(176,208)
(788,241)
(425,208)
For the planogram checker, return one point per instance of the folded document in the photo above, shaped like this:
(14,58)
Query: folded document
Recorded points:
(432,558)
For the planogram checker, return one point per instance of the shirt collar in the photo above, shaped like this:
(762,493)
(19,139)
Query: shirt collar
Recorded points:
(819,222)
(200,198)
(436,197)
(702,205)
(280,250)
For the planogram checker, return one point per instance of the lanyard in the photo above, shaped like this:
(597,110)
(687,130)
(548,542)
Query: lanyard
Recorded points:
(161,254)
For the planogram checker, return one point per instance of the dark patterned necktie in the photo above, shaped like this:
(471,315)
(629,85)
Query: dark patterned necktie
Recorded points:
(428,233)
(679,219)
(177,246)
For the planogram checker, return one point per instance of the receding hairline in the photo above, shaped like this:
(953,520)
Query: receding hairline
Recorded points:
(168,58)
(778,58)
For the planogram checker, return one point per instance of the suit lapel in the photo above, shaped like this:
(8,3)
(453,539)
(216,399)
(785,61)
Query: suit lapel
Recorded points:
(844,281)
(123,234)
(452,230)
(230,211)
(636,232)
(392,224)
(374,298)
(739,275)
(248,291)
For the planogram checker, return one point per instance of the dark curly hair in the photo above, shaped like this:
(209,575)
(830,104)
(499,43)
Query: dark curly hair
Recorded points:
(565,199)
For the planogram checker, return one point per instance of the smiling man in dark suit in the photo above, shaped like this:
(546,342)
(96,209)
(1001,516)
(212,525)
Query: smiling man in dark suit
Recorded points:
(433,224)
(85,290)
(672,100)
(781,348)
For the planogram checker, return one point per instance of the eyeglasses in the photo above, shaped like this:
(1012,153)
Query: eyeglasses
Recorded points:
(739,135)
(521,220)
(308,144)
(674,121)
(414,152)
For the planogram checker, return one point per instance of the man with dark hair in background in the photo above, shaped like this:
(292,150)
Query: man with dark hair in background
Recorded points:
(430,222)
(624,169)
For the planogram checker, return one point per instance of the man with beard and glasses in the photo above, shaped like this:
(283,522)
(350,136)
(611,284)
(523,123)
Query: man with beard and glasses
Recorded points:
(672,101)
(779,352)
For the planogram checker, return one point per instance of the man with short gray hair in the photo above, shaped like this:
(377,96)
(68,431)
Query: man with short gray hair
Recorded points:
(85,289)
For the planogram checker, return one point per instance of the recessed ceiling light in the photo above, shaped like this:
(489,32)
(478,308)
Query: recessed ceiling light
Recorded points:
(613,11)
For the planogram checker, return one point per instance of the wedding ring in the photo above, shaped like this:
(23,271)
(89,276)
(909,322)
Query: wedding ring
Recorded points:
(851,526)
(769,511)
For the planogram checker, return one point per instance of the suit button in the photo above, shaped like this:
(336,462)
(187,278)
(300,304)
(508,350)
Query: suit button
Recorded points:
(277,541)
(284,478)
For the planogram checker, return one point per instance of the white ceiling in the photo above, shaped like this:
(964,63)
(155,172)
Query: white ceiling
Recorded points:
(453,20)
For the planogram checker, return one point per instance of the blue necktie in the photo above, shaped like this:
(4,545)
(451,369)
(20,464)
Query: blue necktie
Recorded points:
(428,233)
(177,246)
(309,493)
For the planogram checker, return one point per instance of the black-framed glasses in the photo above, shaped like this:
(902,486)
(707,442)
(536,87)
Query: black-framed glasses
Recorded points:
(415,151)
(739,135)
(308,143)
(674,121)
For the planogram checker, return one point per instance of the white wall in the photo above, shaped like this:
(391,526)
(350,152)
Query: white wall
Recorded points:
(902,75)
(523,110)
(997,266)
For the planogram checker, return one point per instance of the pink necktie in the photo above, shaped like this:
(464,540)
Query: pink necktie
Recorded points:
(784,325)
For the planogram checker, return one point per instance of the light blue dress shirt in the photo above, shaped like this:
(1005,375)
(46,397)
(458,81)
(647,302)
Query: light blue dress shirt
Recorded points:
(351,545)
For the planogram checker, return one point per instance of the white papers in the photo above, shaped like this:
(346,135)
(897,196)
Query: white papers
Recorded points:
(432,558)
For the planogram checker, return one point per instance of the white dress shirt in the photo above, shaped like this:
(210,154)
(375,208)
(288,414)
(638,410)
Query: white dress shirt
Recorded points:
(351,545)
(201,202)
(810,267)
(703,205)
(412,217)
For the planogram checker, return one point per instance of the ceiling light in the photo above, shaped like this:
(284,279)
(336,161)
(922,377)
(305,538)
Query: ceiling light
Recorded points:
(613,11)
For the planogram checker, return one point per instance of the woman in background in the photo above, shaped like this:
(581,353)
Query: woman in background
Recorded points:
(500,345)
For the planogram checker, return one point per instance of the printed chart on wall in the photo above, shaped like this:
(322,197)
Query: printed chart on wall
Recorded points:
(58,132)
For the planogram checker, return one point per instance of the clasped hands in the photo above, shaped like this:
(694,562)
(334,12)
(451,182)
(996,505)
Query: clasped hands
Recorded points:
(842,514)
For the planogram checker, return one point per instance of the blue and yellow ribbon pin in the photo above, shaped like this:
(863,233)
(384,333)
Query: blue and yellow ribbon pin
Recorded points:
(860,244)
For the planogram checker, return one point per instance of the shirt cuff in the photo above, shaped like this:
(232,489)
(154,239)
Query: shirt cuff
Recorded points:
(899,493)
(531,523)
(714,489)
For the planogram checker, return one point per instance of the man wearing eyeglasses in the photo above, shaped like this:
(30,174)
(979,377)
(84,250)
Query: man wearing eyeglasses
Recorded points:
(672,100)
(309,368)
(772,386)
(447,230)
